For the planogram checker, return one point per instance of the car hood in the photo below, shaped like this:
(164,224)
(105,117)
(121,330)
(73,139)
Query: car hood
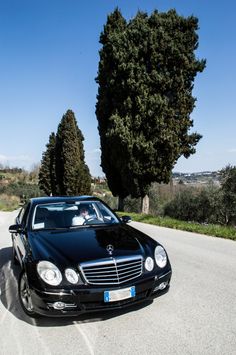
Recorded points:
(72,246)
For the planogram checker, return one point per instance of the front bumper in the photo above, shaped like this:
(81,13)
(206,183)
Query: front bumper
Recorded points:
(77,301)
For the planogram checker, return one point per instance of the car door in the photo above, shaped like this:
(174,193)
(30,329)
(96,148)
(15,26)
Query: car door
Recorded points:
(19,239)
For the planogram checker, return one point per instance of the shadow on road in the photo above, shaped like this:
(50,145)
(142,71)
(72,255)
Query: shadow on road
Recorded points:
(9,273)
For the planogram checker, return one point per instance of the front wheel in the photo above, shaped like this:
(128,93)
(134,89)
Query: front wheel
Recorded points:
(25,295)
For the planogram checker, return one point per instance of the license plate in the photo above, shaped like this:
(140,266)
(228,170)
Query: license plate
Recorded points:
(118,295)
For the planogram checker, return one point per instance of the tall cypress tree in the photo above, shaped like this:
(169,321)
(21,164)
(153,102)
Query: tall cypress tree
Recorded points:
(146,73)
(72,173)
(47,174)
(110,96)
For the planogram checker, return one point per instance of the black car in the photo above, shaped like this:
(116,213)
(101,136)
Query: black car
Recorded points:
(77,256)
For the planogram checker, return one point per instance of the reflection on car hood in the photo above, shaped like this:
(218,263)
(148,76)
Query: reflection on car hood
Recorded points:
(72,246)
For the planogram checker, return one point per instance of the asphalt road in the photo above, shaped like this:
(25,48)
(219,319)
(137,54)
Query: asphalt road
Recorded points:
(197,316)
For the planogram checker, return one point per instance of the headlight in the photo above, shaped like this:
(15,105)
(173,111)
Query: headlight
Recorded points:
(71,276)
(49,273)
(160,256)
(149,264)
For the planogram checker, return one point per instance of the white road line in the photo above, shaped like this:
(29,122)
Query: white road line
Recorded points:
(85,337)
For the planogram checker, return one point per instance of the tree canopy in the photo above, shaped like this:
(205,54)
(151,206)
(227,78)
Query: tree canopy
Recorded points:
(47,174)
(228,193)
(146,73)
(63,170)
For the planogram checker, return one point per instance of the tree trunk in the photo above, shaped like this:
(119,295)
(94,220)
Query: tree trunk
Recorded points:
(145,204)
(120,204)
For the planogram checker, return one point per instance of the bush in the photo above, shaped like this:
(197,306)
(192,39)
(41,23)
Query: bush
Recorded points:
(182,206)
(132,204)
(228,194)
(110,200)
(22,190)
(194,205)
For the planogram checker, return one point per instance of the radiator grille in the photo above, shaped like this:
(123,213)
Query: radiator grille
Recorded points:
(112,271)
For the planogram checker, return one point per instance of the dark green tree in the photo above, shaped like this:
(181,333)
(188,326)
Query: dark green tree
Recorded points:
(146,73)
(228,194)
(47,173)
(112,153)
(72,174)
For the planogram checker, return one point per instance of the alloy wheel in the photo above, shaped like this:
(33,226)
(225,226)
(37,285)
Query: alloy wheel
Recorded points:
(25,294)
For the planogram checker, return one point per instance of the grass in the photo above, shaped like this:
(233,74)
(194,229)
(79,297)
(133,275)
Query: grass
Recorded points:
(207,229)
(9,203)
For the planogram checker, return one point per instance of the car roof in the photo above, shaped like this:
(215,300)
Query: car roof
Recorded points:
(54,199)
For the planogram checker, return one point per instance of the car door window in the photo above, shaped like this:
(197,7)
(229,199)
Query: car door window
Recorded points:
(22,217)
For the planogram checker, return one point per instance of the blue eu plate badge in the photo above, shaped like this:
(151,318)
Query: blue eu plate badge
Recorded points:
(118,295)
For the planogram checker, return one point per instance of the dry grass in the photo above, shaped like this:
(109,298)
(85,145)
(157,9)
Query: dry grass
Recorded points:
(9,203)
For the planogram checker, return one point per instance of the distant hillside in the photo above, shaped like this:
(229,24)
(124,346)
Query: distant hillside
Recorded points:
(198,178)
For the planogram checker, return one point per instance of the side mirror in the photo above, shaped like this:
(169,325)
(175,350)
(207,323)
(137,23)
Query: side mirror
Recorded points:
(15,228)
(126,219)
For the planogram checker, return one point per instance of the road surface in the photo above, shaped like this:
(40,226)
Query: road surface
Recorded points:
(197,316)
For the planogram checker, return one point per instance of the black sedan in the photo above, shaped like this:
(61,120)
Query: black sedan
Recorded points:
(77,256)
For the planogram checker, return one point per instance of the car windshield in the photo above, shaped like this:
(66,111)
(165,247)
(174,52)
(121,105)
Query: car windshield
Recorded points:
(72,215)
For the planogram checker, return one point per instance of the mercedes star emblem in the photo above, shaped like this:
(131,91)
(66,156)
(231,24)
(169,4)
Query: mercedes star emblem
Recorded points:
(110,249)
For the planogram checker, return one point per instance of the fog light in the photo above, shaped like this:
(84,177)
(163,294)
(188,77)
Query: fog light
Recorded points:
(58,305)
(160,287)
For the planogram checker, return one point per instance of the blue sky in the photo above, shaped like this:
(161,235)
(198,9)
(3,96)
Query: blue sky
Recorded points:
(49,60)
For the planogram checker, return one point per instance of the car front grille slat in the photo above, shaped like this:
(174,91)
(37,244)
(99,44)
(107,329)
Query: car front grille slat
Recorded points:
(125,271)
(112,271)
(124,275)
(101,267)
(100,272)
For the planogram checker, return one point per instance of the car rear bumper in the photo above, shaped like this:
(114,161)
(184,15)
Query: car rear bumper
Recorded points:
(91,299)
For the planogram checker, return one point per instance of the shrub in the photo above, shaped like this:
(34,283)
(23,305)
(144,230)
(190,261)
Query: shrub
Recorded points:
(21,190)
(193,205)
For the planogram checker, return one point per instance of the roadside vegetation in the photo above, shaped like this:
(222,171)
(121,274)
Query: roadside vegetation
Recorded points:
(207,229)
(16,186)
(207,209)
(9,203)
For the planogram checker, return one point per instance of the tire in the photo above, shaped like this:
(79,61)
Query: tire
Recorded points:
(25,296)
